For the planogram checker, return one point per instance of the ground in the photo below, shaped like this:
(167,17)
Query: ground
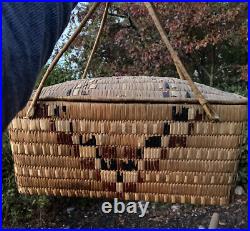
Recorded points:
(86,213)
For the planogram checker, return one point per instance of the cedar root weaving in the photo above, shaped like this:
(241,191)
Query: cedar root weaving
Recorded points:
(134,138)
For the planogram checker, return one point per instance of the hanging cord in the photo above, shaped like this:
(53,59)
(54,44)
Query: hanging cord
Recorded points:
(31,109)
(104,17)
(179,66)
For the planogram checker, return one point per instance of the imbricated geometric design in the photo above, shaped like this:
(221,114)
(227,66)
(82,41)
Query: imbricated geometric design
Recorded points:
(134,138)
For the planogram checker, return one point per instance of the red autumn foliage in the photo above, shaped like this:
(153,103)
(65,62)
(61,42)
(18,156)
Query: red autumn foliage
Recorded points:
(201,33)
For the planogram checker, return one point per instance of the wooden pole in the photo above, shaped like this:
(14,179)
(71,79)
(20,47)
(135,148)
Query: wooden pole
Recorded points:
(179,66)
(104,17)
(31,109)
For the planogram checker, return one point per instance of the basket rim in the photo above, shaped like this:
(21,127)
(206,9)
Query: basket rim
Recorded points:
(243,101)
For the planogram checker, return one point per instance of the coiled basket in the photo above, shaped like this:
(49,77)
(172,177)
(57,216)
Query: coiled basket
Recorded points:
(132,138)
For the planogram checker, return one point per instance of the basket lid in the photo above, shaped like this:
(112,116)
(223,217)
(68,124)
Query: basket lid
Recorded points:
(135,88)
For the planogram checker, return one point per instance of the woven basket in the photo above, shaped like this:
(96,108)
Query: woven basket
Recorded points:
(134,138)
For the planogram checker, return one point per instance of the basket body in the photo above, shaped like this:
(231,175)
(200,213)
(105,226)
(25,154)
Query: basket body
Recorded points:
(129,149)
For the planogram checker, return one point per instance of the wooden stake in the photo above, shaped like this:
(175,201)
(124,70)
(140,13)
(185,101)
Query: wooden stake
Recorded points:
(214,221)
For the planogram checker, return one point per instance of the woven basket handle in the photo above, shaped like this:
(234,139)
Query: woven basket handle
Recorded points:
(31,109)
(212,115)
